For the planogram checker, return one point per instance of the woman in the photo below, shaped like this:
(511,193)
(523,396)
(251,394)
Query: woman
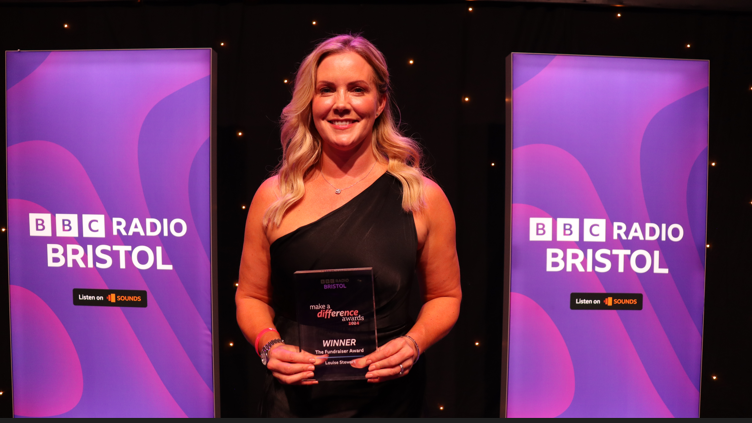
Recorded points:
(348,193)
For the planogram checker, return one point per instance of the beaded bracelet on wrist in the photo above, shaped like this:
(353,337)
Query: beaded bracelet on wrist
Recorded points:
(264,354)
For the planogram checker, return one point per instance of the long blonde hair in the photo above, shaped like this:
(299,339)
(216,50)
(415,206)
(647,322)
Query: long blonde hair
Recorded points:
(301,143)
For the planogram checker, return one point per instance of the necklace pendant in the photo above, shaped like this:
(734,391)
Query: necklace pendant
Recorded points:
(337,191)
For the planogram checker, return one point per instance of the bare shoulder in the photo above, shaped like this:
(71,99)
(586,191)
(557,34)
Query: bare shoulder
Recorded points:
(432,189)
(267,192)
(436,216)
(437,203)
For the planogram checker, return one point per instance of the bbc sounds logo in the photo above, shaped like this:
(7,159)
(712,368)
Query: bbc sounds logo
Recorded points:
(602,260)
(604,301)
(109,297)
(104,256)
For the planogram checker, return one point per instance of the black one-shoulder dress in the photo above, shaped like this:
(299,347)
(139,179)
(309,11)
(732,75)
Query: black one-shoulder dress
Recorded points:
(371,230)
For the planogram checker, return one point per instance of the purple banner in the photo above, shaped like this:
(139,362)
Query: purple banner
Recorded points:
(109,194)
(609,191)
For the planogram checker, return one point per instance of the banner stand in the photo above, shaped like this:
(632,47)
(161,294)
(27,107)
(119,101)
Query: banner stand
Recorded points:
(605,236)
(111,163)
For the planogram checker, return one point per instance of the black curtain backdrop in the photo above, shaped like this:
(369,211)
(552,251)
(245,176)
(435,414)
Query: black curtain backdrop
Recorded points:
(457,53)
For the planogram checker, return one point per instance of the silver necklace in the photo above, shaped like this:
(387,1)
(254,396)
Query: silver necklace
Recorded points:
(339,190)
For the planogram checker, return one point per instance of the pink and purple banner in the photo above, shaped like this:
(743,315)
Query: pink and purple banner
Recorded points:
(606,277)
(109,167)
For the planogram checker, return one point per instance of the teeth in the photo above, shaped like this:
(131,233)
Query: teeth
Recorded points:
(342,122)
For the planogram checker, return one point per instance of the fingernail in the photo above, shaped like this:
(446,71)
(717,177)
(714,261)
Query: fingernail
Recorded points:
(310,374)
(311,360)
(369,375)
(372,368)
(369,362)
(311,367)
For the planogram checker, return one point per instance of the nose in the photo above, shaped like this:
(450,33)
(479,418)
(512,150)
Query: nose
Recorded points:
(341,103)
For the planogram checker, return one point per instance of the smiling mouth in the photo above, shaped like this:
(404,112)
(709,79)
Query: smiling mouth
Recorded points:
(343,122)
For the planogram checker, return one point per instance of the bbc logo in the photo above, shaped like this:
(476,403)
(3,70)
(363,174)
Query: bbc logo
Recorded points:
(567,229)
(66,225)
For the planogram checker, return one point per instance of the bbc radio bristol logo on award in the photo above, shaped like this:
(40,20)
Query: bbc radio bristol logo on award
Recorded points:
(596,230)
(103,256)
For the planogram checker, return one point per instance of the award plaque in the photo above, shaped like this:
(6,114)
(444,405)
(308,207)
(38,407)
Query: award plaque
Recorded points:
(337,319)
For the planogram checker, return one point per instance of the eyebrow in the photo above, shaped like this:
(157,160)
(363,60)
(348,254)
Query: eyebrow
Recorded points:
(360,81)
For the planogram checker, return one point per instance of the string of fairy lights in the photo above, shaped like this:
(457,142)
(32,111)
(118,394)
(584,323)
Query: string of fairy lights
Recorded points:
(465,99)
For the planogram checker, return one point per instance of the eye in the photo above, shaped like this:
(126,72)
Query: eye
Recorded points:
(325,90)
(359,90)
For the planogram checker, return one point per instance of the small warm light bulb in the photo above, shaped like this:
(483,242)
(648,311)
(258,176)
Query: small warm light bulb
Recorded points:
(712,164)
(314,22)
(618,15)
(688,45)
(240,134)
(1,392)
(243,207)
(410,61)
(715,377)
(65,25)
(3,229)
(231,344)
(221,44)
(493,164)
(441,407)
(467,99)
(477,344)
(236,284)
(707,245)
(469,9)
(285,81)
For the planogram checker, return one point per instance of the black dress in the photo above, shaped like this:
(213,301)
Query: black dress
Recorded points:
(371,230)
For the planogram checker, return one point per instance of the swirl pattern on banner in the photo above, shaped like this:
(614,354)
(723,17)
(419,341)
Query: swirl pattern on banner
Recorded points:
(625,140)
(121,134)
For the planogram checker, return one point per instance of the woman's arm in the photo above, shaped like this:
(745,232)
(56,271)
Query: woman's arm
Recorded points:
(440,276)
(253,295)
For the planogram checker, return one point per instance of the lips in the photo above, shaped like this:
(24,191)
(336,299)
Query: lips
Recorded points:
(343,123)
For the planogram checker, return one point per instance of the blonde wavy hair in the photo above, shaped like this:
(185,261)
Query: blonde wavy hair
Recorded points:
(301,143)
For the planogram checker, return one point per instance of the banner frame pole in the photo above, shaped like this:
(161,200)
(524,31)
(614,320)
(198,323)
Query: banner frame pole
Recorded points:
(214,244)
(508,100)
(7,238)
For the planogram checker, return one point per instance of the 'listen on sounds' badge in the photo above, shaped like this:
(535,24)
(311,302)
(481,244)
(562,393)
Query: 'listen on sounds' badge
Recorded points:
(109,297)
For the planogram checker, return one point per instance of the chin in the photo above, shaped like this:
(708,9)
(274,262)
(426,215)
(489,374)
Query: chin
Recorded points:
(345,144)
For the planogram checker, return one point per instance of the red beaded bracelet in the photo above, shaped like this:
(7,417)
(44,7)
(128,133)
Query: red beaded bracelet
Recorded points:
(258,338)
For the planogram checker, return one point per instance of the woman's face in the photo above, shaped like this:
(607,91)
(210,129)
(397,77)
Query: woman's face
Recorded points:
(346,101)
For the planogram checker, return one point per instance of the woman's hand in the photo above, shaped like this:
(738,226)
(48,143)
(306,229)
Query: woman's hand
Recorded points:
(393,360)
(292,367)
